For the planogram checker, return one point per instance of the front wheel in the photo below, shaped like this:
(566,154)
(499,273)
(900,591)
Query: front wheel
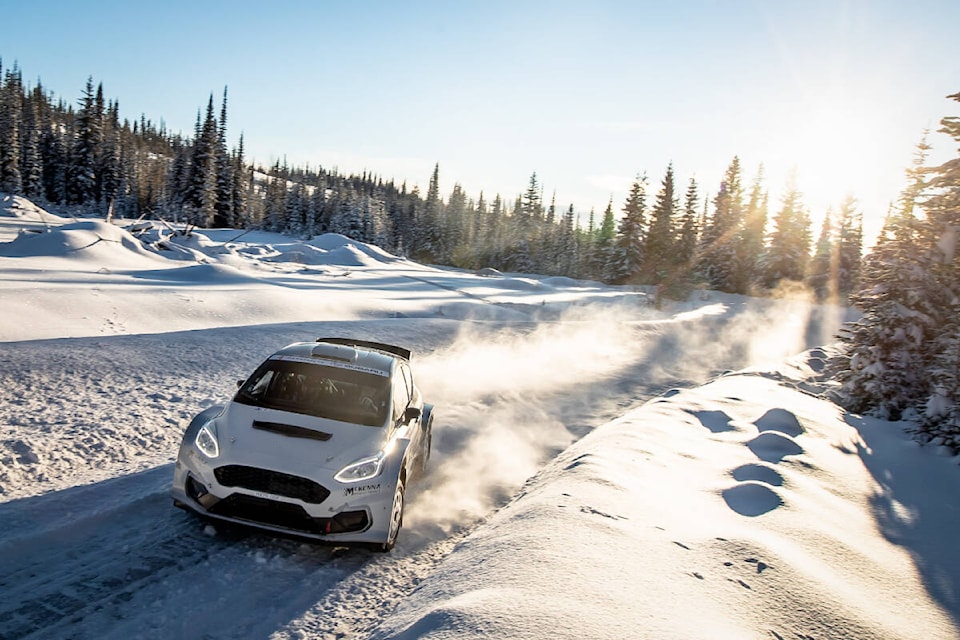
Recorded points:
(396,519)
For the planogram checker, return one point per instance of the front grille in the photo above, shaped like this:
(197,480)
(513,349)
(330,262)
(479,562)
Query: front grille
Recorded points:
(287,516)
(280,484)
(254,509)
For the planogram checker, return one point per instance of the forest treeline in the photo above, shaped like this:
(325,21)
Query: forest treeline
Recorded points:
(87,159)
(901,360)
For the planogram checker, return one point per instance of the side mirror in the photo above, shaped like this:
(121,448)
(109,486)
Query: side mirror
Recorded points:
(411,414)
(240,383)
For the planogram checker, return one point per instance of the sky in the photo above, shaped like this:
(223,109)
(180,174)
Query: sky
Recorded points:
(587,95)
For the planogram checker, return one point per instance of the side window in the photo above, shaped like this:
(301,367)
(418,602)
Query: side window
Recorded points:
(401,397)
(408,379)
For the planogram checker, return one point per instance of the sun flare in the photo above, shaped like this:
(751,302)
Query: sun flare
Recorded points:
(837,147)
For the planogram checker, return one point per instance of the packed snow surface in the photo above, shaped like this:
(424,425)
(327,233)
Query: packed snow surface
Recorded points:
(601,468)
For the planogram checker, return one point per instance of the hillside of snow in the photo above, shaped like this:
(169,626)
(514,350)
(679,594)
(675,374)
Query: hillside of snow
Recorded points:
(601,468)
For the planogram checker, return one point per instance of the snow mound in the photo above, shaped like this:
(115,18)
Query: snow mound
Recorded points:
(561,282)
(302,253)
(334,243)
(198,274)
(330,249)
(24,210)
(522,284)
(92,241)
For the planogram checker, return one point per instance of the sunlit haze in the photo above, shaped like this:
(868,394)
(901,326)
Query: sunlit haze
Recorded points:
(587,95)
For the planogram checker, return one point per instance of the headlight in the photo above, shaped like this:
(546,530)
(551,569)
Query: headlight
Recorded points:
(361,469)
(207,440)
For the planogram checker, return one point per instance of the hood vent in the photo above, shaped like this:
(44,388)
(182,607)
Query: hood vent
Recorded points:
(290,430)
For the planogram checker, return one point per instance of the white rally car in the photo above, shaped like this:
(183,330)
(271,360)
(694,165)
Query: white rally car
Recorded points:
(319,442)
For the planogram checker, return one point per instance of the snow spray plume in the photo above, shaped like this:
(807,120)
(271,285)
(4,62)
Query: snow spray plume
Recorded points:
(507,397)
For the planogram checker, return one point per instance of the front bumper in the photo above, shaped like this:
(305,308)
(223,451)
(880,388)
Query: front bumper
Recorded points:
(275,501)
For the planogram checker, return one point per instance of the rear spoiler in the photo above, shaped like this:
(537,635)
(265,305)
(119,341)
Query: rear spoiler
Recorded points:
(366,344)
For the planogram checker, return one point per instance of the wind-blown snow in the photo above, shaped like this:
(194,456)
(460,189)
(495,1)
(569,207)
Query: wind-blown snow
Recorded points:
(593,475)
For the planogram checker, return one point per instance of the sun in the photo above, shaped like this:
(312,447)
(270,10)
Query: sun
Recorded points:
(839,146)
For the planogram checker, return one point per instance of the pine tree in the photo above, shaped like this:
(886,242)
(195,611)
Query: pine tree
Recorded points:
(53,155)
(454,224)
(225,213)
(940,231)
(81,173)
(109,170)
(429,247)
(890,363)
(658,258)
(604,250)
(569,254)
(31,168)
(789,248)
(10,122)
(718,253)
(238,190)
(686,249)
(849,247)
(750,241)
(201,191)
(822,271)
(631,234)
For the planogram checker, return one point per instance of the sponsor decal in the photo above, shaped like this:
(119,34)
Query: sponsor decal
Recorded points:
(335,364)
(362,490)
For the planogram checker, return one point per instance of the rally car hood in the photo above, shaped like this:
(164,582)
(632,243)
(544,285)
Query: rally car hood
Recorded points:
(291,442)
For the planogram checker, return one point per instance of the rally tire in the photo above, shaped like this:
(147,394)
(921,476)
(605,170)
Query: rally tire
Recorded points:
(396,519)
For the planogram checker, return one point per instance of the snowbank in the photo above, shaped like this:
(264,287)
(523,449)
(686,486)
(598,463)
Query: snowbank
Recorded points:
(92,242)
(741,509)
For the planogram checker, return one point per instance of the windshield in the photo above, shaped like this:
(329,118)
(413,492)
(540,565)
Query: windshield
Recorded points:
(331,392)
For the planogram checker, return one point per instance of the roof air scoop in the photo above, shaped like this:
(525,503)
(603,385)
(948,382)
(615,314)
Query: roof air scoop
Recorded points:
(340,353)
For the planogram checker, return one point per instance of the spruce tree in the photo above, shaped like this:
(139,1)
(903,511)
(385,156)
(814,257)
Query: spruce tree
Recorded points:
(238,190)
(789,248)
(429,230)
(751,237)
(889,362)
(604,251)
(201,193)
(658,259)
(822,271)
(31,168)
(569,253)
(53,154)
(87,136)
(686,248)
(454,223)
(109,170)
(225,212)
(631,234)
(11,96)
(718,253)
(849,247)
